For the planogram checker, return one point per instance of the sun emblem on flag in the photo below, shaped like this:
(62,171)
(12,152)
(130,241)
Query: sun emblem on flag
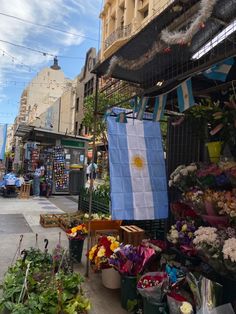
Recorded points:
(138,162)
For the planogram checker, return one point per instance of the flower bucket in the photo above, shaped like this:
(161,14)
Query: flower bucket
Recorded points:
(110,278)
(214,150)
(76,249)
(151,308)
(129,295)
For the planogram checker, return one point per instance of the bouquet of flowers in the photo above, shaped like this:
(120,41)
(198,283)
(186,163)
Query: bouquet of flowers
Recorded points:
(181,233)
(217,247)
(130,260)
(97,216)
(184,177)
(77,233)
(100,253)
(152,286)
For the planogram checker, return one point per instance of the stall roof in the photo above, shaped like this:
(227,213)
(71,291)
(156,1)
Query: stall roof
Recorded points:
(29,131)
(178,62)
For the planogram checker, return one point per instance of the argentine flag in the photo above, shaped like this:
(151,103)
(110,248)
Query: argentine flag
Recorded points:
(219,72)
(137,170)
(185,95)
(141,108)
(159,107)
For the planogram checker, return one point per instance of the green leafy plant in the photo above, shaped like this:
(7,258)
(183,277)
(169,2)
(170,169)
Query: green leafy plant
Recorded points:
(49,290)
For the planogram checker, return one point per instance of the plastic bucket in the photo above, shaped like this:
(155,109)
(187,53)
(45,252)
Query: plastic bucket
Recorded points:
(129,295)
(110,278)
(76,249)
(152,308)
(214,150)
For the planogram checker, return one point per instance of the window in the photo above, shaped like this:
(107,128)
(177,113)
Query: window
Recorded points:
(77,104)
(76,127)
(88,88)
(145,13)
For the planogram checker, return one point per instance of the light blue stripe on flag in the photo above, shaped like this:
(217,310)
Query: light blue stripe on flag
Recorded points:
(137,170)
(185,95)
(141,107)
(120,178)
(157,169)
(159,107)
(219,72)
(3,140)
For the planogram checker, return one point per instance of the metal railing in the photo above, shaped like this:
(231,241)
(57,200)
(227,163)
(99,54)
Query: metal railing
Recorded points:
(120,32)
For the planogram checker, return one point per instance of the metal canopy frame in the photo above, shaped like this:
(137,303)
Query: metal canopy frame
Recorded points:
(177,64)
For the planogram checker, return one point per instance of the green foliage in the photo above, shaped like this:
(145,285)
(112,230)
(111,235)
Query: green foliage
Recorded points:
(103,104)
(47,291)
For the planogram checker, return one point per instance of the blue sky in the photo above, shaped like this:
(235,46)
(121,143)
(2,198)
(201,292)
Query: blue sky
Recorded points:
(18,66)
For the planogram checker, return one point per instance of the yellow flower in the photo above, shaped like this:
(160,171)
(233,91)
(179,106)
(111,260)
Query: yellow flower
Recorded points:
(112,239)
(186,308)
(101,252)
(190,234)
(74,230)
(114,245)
(80,227)
(184,228)
(91,254)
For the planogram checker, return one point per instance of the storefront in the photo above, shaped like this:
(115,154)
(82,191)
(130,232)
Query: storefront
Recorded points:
(60,153)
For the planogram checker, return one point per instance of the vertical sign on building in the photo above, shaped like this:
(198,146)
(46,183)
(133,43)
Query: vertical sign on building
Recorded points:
(3,139)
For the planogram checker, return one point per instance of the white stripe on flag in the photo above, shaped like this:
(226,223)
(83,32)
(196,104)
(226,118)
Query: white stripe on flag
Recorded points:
(143,203)
(224,68)
(142,107)
(185,95)
(160,103)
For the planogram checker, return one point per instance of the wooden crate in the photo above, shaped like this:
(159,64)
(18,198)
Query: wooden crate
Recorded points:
(131,235)
(96,225)
(25,191)
(49,220)
(66,219)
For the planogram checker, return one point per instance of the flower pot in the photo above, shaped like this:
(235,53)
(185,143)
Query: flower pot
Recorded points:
(110,278)
(129,295)
(76,249)
(214,150)
(153,308)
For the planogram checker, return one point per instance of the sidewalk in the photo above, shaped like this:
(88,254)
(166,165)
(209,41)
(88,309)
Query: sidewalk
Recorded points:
(22,217)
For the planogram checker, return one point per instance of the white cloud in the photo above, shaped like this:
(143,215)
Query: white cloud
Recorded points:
(53,12)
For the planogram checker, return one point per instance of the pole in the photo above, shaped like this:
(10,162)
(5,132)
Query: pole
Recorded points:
(92,171)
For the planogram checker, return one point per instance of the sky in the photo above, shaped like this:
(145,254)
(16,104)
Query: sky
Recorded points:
(18,66)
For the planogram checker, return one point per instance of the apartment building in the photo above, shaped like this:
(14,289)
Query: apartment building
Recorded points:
(85,86)
(43,90)
(121,19)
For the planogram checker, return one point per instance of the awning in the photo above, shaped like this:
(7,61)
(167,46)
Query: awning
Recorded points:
(27,132)
(177,63)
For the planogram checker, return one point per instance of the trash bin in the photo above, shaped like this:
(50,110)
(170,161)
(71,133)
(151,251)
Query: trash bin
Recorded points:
(76,181)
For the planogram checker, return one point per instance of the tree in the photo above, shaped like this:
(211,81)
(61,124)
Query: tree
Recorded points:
(103,104)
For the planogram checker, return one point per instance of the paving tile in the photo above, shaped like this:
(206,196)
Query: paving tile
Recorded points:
(14,223)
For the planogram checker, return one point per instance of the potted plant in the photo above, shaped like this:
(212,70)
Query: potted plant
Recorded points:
(76,237)
(130,261)
(219,119)
(99,256)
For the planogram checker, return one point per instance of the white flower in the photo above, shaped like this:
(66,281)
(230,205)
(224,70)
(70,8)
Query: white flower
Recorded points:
(170,183)
(86,216)
(229,249)
(176,178)
(184,172)
(191,168)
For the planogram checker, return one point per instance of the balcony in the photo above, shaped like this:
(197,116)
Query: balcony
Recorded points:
(121,32)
